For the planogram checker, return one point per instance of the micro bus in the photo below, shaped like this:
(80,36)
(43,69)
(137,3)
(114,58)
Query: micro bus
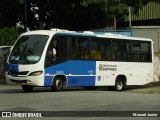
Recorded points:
(59,58)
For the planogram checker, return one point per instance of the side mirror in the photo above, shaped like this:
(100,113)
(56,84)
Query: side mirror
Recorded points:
(52,53)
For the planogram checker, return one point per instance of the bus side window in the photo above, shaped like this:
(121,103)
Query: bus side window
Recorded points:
(141,51)
(75,48)
(94,49)
(115,49)
(106,49)
(79,48)
(145,54)
(61,48)
(121,50)
(50,57)
(84,48)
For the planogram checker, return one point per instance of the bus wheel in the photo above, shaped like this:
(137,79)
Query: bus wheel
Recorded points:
(27,88)
(57,85)
(119,85)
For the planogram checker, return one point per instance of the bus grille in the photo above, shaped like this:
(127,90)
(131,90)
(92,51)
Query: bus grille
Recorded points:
(14,73)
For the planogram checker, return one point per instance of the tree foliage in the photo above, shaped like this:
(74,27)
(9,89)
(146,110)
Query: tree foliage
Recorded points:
(8,36)
(67,14)
(8,13)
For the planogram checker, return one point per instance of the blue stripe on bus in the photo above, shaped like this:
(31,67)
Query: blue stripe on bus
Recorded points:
(81,80)
(48,80)
(74,68)
(13,69)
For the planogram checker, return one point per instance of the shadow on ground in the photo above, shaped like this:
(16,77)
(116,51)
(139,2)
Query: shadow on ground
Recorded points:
(153,87)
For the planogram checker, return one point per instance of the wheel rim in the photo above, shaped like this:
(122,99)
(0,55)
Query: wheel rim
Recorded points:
(58,84)
(119,85)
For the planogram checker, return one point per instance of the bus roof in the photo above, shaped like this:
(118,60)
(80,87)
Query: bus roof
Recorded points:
(83,34)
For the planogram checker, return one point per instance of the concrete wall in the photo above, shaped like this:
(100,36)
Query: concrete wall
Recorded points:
(156,68)
(4,51)
(152,32)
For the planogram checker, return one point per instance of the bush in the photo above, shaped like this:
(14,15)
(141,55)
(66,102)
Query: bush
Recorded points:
(8,36)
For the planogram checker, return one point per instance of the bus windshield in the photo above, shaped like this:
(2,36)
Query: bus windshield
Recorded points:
(28,49)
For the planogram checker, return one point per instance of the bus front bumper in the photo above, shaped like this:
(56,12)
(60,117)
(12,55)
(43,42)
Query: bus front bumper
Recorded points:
(27,80)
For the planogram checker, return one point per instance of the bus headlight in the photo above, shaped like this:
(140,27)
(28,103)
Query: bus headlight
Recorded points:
(36,73)
(6,72)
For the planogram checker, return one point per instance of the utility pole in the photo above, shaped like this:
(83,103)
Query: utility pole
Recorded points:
(129,18)
(115,23)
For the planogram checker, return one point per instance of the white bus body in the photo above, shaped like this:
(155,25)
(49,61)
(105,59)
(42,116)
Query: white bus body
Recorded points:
(82,59)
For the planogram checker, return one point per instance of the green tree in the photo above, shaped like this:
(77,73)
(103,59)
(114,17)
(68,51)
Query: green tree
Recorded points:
(82,14)
(68,14)
(8,13)
(7,36)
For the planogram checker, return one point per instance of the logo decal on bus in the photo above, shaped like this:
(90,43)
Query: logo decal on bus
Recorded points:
(100,67)
(107,67)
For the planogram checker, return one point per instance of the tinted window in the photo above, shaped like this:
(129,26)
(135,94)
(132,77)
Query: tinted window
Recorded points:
(79,48)
(28,49)
(141,51)
(94,49)
(59,43)
(121,50)
(106,49)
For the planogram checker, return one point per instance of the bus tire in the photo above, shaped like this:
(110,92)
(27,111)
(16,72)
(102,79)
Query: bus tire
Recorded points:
(57,85)
(119,85)
(27,88)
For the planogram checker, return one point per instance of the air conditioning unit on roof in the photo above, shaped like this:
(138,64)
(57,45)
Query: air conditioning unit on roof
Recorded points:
(56,29)
(88,32)
(61,30)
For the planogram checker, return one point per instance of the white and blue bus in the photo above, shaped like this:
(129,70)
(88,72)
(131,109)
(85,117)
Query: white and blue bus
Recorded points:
(58,59)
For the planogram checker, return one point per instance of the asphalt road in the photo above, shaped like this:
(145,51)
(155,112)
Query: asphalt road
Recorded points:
(12,98)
